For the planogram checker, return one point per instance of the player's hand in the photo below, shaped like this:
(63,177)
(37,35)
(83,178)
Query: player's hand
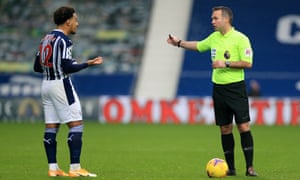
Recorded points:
(218,64)
(95,61)
(173,40)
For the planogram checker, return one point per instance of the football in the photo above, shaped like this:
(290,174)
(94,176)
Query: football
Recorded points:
(216,168)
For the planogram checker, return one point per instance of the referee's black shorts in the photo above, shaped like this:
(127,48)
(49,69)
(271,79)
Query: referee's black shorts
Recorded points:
(230,101)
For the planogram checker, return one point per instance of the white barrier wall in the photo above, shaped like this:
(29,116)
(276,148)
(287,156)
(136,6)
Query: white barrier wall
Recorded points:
(184,110)
(161,63)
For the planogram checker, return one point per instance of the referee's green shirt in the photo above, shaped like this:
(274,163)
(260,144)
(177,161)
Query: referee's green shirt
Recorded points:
(235,46)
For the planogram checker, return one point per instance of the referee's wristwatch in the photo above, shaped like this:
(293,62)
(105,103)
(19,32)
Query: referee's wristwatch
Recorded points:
(227,63)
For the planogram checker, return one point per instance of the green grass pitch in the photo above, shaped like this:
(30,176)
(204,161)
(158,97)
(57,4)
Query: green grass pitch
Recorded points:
(140,151)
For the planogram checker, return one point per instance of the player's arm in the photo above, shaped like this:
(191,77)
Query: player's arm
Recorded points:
(95,61)
(37,66)
(173,40)
(71,66)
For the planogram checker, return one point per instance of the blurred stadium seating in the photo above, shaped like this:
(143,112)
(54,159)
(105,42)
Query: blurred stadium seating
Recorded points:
(116,30)
(119,24)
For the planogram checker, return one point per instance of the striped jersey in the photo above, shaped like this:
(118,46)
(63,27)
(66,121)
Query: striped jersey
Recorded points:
(54,57)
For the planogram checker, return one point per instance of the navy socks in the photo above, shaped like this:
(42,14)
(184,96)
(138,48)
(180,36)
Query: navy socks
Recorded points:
(75,143)
(50,144)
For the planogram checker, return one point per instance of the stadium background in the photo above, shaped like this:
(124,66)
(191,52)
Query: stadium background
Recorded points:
(120,31)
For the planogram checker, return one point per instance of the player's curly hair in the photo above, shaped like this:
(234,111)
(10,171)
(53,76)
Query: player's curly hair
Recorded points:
(62,14)
(226,11)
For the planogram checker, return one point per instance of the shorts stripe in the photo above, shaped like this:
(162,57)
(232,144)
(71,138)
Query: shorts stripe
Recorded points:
(69,91)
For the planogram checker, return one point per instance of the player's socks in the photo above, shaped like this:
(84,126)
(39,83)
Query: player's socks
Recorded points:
(247,145)
(228,149)
(53,166)
(75,166)
(50,144)
(75,143)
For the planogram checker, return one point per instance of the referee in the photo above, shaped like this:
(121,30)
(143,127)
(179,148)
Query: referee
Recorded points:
(231,53)
(60,101)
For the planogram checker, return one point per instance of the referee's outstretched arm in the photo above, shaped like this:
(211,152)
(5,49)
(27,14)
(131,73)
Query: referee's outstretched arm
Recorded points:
(173,40)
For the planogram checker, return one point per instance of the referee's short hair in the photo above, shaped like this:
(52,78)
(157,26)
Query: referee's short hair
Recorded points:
(62,14)
(226,11)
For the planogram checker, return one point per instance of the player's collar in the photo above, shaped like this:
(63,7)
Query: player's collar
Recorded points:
(58,30)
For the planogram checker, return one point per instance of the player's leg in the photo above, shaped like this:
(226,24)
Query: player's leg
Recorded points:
(75,143)
(50,146)
(70,113)
(223,116)
(51,129)
(75,146)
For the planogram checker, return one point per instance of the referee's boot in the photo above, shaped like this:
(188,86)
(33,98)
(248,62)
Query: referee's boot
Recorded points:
(231,172)
(250,172)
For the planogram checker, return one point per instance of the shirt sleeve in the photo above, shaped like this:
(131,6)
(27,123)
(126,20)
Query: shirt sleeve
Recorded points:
(71,66)
(68,64)
(245,50)
(37,66)
(203,45)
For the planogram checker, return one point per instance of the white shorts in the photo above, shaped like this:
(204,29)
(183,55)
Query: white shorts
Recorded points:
(60,102)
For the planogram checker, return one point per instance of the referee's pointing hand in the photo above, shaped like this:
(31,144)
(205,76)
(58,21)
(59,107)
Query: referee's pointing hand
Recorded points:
(173,40)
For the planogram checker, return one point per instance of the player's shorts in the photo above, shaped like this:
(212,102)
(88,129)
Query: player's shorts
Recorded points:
(60,101)
(230,101)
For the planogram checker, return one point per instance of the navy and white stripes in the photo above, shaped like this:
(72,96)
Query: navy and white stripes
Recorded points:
(54,48)
(54,58)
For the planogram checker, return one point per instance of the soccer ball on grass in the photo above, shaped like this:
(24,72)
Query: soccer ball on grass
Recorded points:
(216,168)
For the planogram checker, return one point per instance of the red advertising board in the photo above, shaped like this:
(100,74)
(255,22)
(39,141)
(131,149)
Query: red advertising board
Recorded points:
(184,110)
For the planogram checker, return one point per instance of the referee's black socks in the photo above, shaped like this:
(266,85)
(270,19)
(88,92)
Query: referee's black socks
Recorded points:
(247,145)
(228,149)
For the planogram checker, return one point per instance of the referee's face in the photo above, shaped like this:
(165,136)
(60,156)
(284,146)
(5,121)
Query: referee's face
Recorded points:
(218,21)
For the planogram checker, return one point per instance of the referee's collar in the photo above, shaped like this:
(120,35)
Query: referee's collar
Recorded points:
(229,32)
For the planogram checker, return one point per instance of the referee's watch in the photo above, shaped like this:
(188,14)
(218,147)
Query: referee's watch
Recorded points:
(227,63)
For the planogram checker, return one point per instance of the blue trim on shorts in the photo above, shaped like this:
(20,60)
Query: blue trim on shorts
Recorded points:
(69,91)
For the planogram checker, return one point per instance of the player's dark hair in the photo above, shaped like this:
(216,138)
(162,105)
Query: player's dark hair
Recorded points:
(62,14)
(226,11)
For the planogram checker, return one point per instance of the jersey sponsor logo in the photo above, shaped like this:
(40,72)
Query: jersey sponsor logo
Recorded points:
(288,29)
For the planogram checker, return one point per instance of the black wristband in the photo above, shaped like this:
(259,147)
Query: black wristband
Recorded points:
(178,43)
(227,63)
